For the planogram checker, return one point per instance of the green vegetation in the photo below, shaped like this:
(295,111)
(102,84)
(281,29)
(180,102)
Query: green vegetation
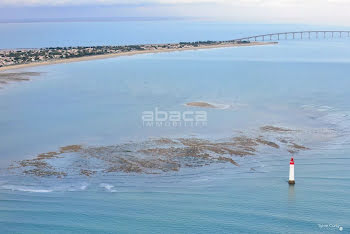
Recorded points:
(13,57)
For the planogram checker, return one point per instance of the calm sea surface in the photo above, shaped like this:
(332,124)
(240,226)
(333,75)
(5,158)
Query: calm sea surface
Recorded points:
(301,85)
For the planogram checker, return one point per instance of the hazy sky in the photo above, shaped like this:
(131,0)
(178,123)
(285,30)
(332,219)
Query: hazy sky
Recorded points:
(271,11)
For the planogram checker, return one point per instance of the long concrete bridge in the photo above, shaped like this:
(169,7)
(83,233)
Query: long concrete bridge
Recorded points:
(296,35)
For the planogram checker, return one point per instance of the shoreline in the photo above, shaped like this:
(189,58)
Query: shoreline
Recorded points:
(112,55)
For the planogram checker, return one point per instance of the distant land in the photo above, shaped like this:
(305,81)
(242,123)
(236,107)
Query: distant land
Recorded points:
(19,58)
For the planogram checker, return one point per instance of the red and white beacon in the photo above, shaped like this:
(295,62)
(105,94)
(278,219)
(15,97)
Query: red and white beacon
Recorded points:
(291,171)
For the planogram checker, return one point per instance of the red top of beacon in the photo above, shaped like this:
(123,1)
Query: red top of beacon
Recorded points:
(291,161)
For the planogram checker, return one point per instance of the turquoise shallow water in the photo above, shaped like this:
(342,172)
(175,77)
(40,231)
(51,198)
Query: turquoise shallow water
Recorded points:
(299,84)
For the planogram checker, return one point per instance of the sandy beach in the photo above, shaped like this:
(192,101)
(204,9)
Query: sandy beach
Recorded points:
(104,56)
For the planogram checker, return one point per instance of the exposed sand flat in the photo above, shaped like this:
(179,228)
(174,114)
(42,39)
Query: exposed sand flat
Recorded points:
(104,56)
(209,105)
(200,104)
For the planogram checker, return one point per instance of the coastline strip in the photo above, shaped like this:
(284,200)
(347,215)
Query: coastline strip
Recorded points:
(105,56)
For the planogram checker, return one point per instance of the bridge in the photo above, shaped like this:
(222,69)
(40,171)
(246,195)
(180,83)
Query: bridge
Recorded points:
(296,35)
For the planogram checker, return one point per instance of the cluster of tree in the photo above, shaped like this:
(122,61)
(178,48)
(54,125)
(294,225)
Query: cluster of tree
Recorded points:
(242,42)
(196,43)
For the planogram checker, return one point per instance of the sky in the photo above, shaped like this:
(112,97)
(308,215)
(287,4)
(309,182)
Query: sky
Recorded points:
(332,12)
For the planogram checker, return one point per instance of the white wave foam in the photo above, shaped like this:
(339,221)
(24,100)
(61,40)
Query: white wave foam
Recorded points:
(108,187)
(74,187)
(83,187)
(48,189)
(221,106)
(25,189)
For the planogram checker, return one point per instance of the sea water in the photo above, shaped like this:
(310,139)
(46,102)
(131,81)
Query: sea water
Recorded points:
(300,84)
